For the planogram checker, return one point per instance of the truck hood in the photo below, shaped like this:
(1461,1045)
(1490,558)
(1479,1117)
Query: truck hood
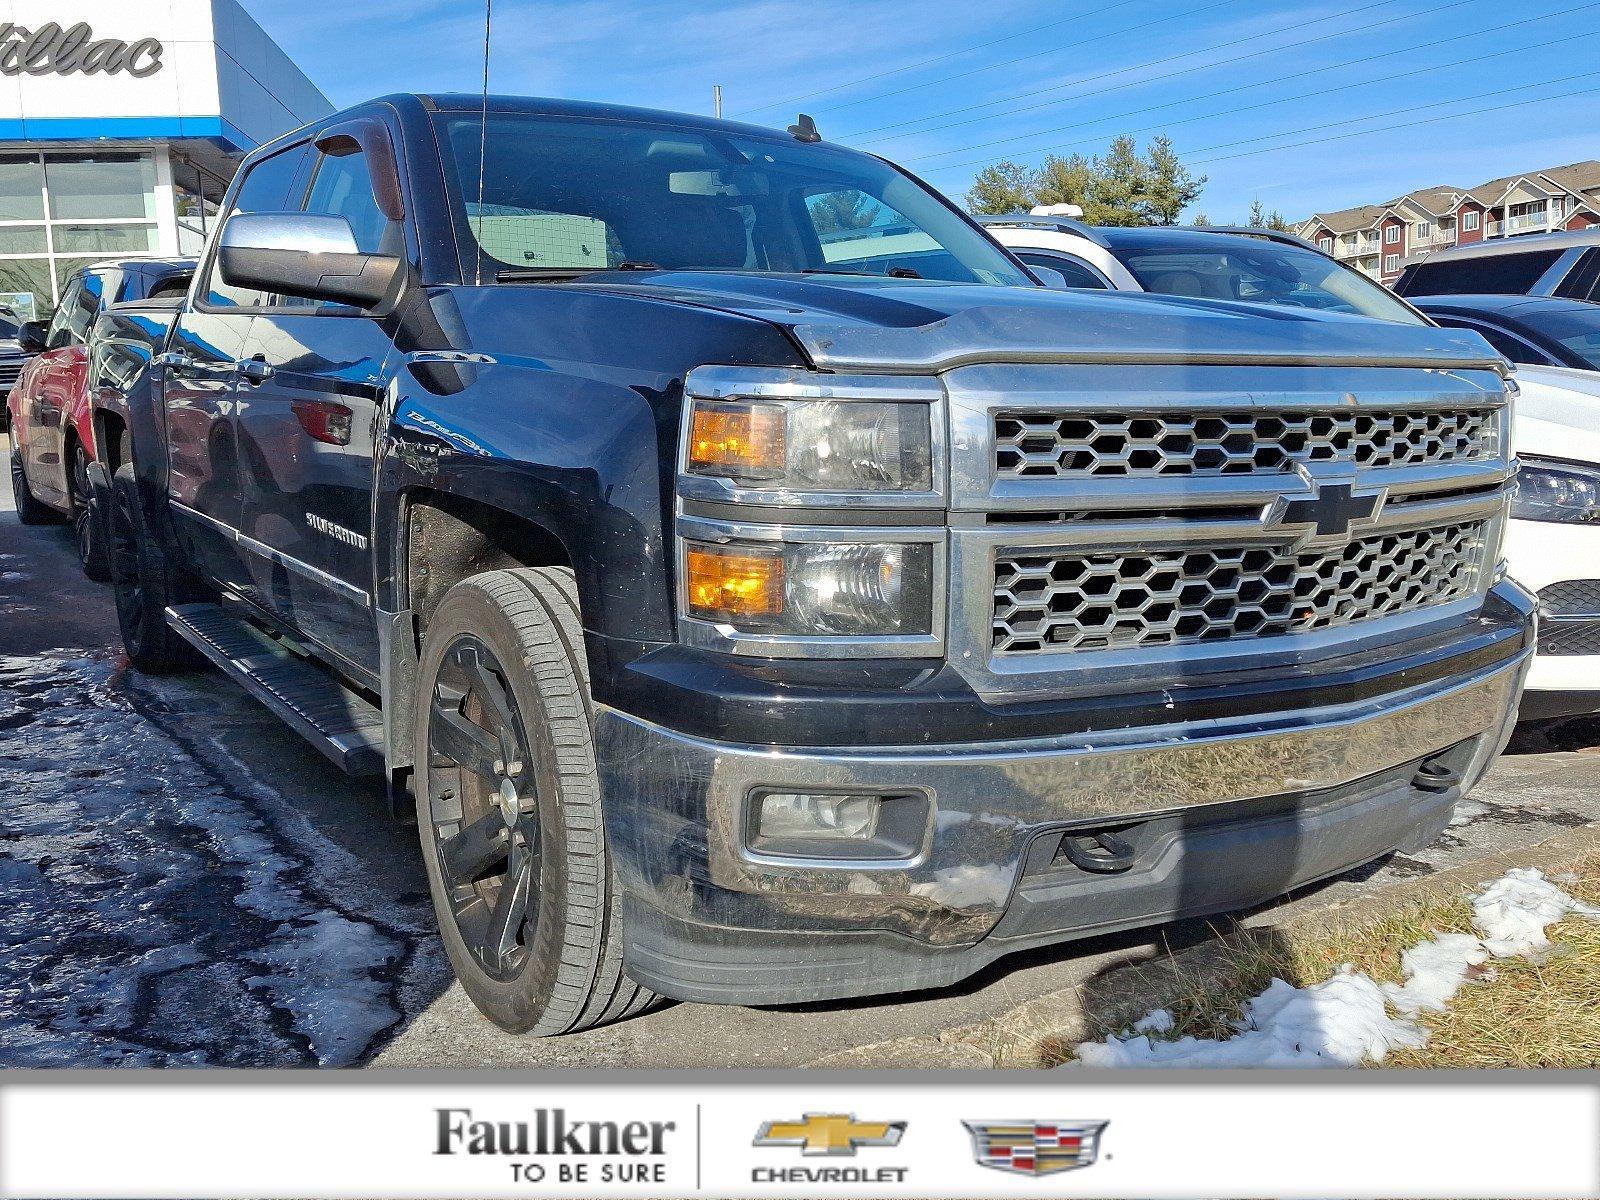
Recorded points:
(871,323)
(1558,414)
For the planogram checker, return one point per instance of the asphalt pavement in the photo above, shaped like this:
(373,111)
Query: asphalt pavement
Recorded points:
(183,881)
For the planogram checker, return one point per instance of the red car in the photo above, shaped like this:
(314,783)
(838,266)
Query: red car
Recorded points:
(52,440)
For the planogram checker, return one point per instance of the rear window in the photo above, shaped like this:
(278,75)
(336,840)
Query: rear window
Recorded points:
(1485,275)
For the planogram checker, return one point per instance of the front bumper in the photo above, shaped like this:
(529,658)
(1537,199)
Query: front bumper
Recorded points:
(1223,813)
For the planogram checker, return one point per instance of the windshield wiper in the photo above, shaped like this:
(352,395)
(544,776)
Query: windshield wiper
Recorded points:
(558,274)
(542,274)
(891,273)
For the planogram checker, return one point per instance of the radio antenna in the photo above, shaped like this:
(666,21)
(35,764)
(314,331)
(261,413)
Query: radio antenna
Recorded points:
(483,133)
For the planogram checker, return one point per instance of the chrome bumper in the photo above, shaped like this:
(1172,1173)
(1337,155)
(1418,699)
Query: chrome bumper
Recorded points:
(676,806)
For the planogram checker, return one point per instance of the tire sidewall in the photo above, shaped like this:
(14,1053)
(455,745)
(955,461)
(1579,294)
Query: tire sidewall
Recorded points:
(123,519)
(518,1004)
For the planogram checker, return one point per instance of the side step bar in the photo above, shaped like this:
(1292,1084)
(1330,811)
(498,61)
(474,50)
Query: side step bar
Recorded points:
(327,714)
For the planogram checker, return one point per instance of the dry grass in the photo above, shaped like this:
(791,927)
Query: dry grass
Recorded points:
(1524,1013)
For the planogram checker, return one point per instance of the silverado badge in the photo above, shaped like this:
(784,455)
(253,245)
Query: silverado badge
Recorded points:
(1035,1147)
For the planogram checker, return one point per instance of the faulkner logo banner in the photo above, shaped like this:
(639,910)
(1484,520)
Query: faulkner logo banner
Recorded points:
(552,1145)
(52,50)
(1035,1147)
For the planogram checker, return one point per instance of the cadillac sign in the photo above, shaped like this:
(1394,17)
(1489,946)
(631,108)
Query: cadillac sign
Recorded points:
(52,50)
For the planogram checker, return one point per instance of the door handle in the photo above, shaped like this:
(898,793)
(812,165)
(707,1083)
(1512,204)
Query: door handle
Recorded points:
(254,371)
(173,360)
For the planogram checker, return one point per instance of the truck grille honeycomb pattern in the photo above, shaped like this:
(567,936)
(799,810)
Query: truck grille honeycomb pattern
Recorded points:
(1063,600)
(1046,445)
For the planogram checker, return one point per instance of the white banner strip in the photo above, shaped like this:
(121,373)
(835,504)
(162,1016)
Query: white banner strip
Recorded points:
(395,1138)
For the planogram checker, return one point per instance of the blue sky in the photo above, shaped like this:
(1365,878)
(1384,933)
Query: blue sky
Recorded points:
(945,86)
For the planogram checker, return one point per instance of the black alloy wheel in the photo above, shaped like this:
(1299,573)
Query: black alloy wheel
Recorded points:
(86,524)
(484,807)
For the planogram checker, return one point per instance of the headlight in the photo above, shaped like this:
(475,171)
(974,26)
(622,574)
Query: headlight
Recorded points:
(821,588)
(1555,491)
(814,445)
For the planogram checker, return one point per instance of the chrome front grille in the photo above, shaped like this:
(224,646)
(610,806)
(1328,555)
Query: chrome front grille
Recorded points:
(1055,445)
(1138,598)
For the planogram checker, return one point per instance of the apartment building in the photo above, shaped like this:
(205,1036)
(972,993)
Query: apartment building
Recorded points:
(1378,239)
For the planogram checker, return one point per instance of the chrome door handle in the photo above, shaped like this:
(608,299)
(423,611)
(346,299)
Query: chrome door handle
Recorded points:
(172,360)
(254,371)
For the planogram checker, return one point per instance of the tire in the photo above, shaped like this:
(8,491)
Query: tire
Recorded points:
(526,896)
(88,525)
(144,583)
(30,509)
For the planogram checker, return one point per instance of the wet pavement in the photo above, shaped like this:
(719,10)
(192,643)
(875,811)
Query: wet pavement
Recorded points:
(183,881)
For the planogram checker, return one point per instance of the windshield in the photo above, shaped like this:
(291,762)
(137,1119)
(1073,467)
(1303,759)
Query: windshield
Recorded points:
(1262,273)
(569,195)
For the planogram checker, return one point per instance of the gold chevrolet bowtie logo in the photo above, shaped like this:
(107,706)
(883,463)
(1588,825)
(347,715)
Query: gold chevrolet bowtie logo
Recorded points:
(830,1133)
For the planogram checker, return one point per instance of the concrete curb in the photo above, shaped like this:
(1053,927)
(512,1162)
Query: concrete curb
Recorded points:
(1025,1035)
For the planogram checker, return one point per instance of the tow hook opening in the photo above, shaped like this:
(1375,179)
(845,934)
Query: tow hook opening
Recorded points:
(1099,851)
(1442,772)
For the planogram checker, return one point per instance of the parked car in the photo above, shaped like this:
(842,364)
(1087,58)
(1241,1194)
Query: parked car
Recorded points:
(12,359)
(751,613)
(1548,264)
(52,439)
(1553,541)
(1259,266)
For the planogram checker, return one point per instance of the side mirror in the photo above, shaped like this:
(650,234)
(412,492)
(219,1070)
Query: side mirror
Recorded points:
(309,255)
(1049,276)
(31,336)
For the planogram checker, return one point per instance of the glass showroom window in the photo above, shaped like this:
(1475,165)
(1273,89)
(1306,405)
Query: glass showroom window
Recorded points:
(59,212)
(197,197)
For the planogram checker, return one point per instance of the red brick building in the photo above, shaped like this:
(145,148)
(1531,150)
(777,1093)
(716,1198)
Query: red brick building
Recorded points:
(1378,239)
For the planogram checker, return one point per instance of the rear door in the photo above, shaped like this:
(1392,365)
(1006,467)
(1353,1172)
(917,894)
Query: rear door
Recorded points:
(202,380)
(311,388)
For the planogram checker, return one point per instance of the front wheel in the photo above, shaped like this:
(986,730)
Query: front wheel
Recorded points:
(508,806)
(87,526)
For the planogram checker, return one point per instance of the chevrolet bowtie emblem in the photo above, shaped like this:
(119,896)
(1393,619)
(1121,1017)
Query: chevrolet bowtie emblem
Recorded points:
(1332,511)
(830,1133)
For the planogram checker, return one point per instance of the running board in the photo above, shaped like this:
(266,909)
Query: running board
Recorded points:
(322,710)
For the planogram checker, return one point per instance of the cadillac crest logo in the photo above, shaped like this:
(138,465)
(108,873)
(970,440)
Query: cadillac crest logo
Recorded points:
(1035,1147)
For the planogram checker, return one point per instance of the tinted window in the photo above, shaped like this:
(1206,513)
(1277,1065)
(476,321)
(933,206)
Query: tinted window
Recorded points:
(1079,274)
(60,332)
(578,195)
(1240,268)
(1485,275)
(266,188)
(87,307)
(1583,281)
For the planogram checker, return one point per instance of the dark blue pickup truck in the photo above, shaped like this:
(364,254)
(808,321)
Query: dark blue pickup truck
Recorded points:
(763,590)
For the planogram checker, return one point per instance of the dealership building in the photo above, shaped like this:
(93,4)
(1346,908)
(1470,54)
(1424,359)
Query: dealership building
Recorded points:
(121,123)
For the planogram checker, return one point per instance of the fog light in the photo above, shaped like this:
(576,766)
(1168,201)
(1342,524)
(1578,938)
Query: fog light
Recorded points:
(787,815)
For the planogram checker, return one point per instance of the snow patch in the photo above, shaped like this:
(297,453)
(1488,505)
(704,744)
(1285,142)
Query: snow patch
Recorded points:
(1346,1020)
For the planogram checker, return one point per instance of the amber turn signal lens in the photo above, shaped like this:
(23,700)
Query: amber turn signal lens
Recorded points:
(737,439)
(734,585)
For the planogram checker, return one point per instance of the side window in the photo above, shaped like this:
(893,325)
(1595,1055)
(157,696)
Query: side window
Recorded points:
(266,187)
(342,187)
(1583,281)
(1079,274)
(80,320)
(60,333)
